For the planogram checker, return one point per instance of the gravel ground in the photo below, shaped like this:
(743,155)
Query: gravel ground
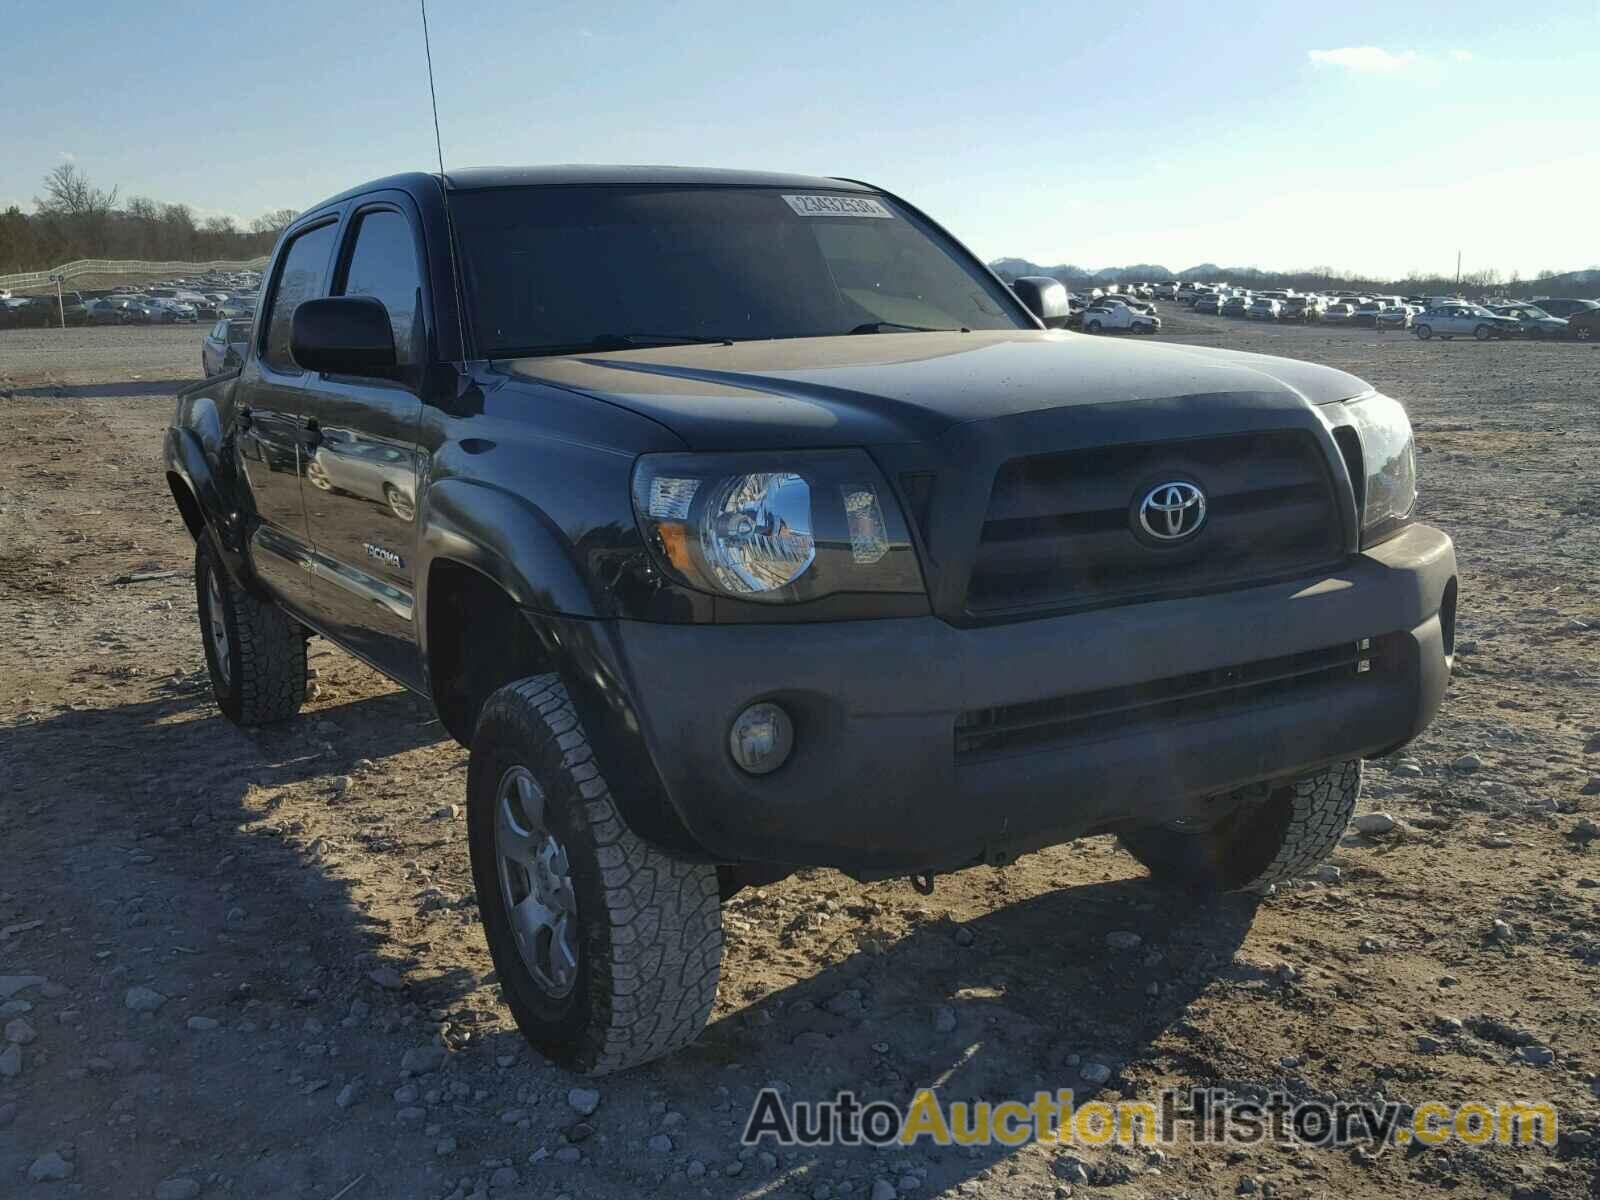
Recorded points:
(248,963)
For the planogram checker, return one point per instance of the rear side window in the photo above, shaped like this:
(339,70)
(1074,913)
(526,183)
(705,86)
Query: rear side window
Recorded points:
(384,265)
(301,276)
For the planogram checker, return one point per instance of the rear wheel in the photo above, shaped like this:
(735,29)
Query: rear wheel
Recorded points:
(1277,833)
(608,950)
(255,652)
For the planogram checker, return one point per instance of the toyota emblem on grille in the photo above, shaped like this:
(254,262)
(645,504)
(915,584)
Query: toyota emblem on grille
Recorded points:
(1173,511)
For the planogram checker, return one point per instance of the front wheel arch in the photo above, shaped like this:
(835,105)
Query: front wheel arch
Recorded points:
(188,506)
(479,639)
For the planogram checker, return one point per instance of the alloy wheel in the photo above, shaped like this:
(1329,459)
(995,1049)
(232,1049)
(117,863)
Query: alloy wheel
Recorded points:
(535,884)
(217,622)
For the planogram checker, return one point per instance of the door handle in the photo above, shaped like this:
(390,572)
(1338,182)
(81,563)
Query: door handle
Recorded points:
(311,436)
(245,418)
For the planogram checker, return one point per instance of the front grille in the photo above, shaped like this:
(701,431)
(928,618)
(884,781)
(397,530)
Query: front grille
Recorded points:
(1199,695)
(1058,533)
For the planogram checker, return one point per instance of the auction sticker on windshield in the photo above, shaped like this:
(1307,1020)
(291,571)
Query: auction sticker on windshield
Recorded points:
(837,206)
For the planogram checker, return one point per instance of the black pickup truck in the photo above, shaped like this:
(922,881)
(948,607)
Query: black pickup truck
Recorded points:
(743,522)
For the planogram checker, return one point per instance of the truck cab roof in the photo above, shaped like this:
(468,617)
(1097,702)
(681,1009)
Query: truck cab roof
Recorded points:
(581,174)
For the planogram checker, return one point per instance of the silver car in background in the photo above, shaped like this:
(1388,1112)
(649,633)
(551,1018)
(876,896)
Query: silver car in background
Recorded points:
(224,347)
(1464,320)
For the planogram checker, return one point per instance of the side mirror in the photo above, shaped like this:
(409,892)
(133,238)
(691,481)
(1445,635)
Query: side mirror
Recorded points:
(1045,298)
(343,335)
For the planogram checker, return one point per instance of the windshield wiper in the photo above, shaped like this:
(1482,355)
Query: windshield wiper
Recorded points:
(606,340)
(609,341)
(886,326)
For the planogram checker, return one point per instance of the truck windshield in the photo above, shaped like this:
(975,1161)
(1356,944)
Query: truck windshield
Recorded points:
(558,270)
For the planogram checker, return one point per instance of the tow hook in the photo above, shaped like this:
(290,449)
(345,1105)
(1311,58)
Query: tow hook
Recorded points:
(923,883)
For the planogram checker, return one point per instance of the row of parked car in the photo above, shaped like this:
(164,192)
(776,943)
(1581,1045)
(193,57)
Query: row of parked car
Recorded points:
(1426,316)
(171,301)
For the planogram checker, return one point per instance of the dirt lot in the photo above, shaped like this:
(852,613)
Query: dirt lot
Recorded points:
(249,963)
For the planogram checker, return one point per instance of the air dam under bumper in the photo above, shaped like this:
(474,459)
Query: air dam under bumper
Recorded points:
(1107,719)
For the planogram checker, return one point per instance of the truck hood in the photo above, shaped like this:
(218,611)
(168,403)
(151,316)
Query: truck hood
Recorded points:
(888,388)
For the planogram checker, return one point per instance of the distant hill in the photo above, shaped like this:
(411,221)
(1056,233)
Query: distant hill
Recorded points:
(1580,283)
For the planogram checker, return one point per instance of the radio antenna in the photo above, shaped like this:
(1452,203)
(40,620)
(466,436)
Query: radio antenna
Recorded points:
(427,47)
(444,191)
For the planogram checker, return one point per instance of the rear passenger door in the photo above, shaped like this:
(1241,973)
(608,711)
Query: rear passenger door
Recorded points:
(267,400)
(361,438)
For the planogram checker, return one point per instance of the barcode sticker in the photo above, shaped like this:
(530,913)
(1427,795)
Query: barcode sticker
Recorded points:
(838,206)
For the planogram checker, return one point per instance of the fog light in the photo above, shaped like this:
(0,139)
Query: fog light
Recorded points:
(761,738)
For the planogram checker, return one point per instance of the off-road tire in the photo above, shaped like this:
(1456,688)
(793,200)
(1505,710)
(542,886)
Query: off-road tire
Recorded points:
(266,680)
(650,925)
(1256,845)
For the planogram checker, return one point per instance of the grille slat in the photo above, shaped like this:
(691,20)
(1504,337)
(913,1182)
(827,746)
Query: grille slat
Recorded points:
(1058,531)
(1197,695)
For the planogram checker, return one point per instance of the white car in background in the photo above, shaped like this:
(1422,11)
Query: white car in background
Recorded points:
(1107,314)
(1264,308)
(1396,316)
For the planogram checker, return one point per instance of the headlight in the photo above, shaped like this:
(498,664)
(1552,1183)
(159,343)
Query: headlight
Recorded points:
(1388,455)
(778,528)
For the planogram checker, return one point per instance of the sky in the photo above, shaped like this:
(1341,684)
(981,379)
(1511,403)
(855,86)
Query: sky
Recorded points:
(1368,135)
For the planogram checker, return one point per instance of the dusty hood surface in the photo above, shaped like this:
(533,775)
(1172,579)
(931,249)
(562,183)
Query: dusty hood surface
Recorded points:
(887,388)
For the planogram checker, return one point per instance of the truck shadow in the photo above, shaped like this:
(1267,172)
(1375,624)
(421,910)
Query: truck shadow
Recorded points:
(1020,1000)
(102,391)
(160,832)
(187,820)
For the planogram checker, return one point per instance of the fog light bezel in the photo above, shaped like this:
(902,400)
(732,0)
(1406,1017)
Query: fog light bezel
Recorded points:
(785,743)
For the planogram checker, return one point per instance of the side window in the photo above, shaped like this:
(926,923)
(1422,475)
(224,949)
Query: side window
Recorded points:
(384,265)
(301,274)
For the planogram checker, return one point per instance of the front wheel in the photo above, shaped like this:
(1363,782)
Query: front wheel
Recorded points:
(255,652)
(1424,332)
(1483,333)
(1093,327)
(608,949)
(1276,833)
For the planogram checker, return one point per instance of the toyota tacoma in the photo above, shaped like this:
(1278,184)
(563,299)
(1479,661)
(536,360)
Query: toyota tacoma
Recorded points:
(739,523)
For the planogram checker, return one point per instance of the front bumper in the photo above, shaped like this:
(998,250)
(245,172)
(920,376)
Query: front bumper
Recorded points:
(879,781)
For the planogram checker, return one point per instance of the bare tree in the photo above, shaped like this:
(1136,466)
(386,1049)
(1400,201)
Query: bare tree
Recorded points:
(68,193)
(273,222)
